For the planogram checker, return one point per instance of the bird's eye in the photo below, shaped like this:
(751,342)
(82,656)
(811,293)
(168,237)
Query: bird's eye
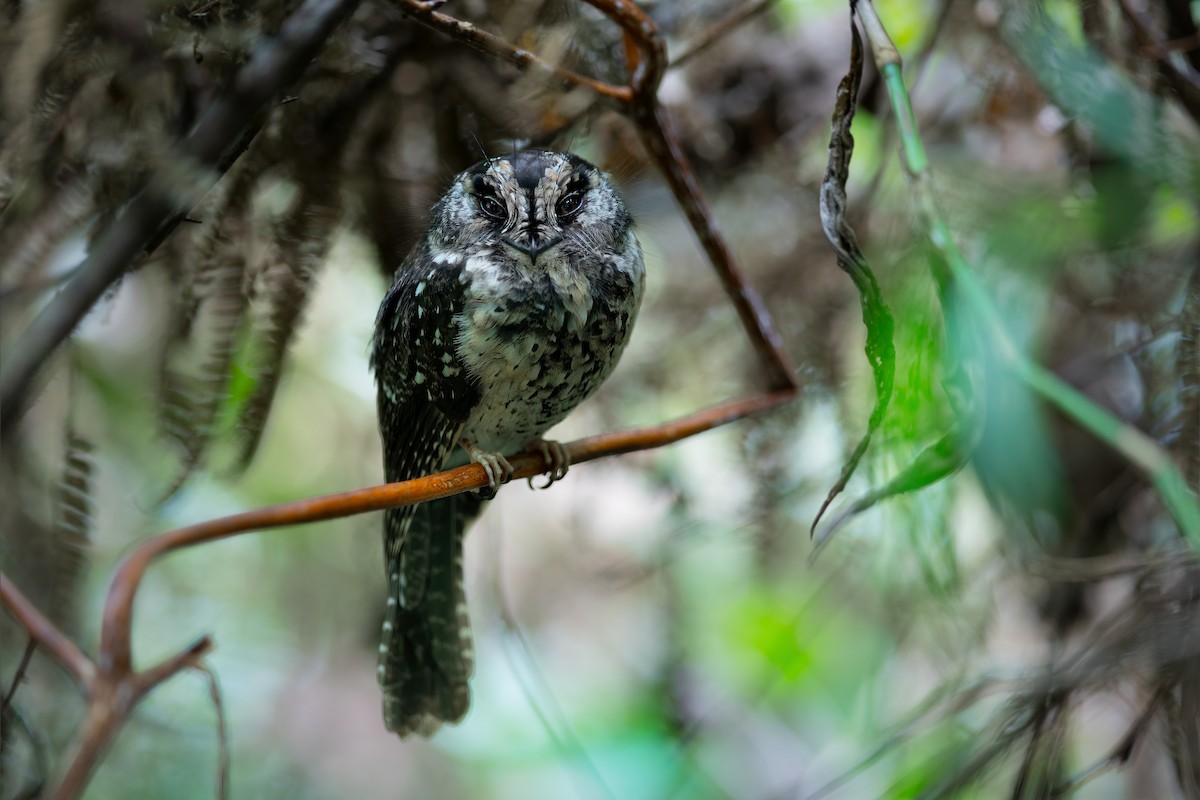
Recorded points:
(569,204)
(487,199)
(491,207)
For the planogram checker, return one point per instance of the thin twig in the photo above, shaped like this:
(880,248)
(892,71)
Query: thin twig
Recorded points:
(46,633)
(214,692)
(187,658)
(661,140)
(1119,755)
(485,42)
(645,49)
(30,647)
(721,28)
(275,63)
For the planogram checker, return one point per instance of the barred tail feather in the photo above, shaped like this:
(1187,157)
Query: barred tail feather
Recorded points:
(426,656)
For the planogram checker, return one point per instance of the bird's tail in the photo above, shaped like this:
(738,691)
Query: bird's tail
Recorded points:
(426,655)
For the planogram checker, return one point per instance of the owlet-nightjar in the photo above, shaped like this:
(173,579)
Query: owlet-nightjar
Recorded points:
(514,307)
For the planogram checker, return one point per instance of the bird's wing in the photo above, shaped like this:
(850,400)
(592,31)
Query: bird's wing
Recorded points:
(424,398)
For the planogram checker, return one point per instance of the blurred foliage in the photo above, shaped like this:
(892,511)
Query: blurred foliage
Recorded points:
(657,625)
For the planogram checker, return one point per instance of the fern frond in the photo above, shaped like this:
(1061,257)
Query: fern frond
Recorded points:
(73,519)
(196,361)
(23,253)
(296,254)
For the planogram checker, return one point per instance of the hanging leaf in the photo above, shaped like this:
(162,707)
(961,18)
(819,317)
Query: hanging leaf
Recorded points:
(937,461)
(881,352)
(963,370)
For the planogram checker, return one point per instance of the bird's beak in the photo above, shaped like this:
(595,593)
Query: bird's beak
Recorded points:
(532,247)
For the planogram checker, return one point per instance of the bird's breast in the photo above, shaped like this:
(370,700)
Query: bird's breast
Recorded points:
(536,349)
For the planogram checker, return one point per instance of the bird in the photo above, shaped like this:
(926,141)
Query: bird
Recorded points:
(512,309)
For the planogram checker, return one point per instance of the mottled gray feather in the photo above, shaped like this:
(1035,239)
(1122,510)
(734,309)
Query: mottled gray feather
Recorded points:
(511,311)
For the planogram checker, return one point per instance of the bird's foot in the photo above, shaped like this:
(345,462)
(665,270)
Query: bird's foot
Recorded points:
(496,466)
(558,459)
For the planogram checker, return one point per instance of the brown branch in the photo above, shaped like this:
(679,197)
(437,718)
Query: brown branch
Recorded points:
(490,44)
(659,136)
(116,689)
(106,712)
(46,634)
(226,126)
(214,693)
(648,55)
(19,674)
(116,629)
(661,140)
(148,679)
(111,694)
(114,694)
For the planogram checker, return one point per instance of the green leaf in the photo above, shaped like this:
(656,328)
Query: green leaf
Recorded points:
(880,350)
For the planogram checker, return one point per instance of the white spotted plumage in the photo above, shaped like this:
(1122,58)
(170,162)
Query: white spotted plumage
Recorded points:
(514,308)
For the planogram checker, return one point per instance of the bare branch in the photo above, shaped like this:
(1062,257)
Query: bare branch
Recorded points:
(479,39)
(115,635)
(46,634)
(114,694)
(663,143)
(214,692)
(19,675)
(148,679)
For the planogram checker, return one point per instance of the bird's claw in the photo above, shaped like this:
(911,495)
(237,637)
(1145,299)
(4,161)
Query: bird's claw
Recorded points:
(557,457)
(498,470)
